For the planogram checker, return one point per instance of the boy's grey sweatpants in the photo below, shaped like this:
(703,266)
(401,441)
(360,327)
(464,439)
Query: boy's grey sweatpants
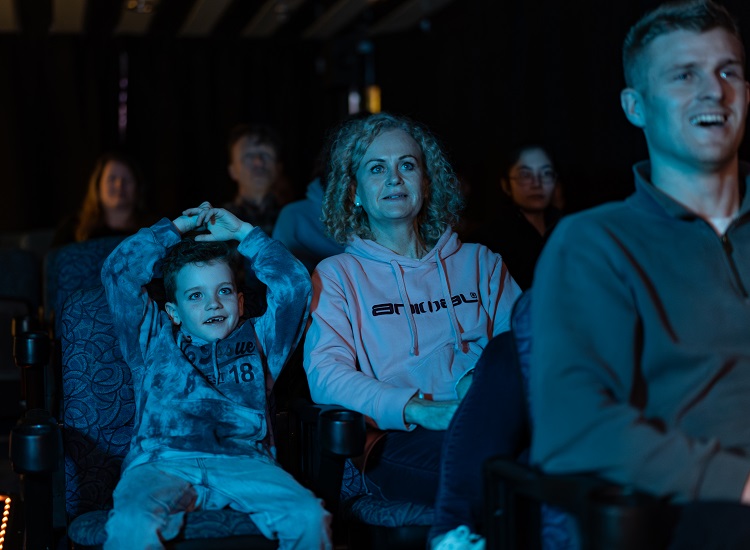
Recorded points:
(151,499)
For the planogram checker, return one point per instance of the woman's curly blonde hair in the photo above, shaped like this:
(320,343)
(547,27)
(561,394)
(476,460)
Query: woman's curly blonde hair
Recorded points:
(442,197)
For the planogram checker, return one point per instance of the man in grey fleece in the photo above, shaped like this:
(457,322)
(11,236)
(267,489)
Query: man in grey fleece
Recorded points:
(641,313)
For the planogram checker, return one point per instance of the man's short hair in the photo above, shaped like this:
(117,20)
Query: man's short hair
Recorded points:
(189,251)
(688,15)
(261,134)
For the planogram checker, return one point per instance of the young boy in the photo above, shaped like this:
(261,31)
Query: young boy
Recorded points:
(200,377)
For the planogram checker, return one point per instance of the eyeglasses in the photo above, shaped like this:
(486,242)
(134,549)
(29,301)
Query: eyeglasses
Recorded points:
(526,177)
(262,156)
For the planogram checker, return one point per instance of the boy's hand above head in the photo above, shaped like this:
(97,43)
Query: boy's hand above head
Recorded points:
(220,224)
(185,223)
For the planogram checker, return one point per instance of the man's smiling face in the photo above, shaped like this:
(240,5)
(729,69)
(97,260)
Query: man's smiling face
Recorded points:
(692,101)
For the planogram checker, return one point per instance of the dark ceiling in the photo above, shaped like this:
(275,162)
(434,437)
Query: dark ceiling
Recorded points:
(226,19)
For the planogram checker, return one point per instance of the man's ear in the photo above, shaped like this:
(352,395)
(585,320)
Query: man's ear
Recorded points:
(171,310)
(632,103)
(231,171)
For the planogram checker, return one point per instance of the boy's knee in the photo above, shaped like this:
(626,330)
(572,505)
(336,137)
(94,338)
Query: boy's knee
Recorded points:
(137,527)
(314,513)
(129,527)
(310,521)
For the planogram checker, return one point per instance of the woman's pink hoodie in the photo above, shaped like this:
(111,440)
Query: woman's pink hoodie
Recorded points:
(385,327)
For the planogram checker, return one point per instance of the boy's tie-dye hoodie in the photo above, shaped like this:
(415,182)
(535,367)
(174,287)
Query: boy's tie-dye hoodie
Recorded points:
(194,396)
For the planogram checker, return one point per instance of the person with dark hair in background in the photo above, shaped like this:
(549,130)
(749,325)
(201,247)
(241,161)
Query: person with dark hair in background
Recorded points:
(114,204)
(640,364)
(299,226)
(256,167)
(521,224)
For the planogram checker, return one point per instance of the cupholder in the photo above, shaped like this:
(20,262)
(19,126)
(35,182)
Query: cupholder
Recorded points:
(342,432)
(35,445)
(31,348)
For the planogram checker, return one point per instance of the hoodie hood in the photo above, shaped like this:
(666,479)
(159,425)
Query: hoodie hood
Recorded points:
(314,191)
(447,245)
(210,352)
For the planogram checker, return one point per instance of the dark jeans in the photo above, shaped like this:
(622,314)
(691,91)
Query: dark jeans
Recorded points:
(491,420)
(405,466)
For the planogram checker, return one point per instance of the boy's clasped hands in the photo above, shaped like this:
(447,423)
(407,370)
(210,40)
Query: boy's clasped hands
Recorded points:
(220,224)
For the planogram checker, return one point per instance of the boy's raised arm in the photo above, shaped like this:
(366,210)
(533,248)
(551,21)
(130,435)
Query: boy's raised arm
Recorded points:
(124,275)
(288,293)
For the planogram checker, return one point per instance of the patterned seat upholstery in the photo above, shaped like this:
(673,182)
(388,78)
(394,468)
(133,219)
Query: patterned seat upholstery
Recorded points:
(72,267)
(98,411)
(358,505)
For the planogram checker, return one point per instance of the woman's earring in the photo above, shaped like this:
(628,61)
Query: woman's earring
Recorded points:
(357,202)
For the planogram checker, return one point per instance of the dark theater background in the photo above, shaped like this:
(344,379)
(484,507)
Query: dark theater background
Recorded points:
(168,78)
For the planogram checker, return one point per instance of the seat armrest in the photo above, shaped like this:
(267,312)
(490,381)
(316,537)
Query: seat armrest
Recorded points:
(31,353)
(608,515)
(35,452)
(329,435)
(336,430)
(35,443)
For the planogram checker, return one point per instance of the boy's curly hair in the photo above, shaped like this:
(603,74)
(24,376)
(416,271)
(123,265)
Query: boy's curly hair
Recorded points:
(190,251)
(442,195)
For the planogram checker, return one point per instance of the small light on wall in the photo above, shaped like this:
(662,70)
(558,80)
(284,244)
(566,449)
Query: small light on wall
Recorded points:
(373,98)
(354,101)
(4,521)
(141,6)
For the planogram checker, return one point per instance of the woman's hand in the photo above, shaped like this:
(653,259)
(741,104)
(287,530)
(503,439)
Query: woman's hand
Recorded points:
(432,415)
(464,384)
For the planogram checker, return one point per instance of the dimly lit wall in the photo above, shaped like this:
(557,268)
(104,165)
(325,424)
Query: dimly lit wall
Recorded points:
(487,74)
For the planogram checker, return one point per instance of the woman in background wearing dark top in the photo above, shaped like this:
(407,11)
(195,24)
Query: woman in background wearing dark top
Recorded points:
(114,203)
(526,215)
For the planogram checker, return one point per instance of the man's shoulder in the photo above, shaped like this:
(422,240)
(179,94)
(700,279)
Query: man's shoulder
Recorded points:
(606,214)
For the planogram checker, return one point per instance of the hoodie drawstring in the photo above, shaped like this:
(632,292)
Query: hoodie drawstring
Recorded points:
(414,350)
(459,343)
(457,332)
(215,361)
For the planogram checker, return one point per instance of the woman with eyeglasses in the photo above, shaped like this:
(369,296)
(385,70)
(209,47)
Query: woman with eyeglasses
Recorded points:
(520,227)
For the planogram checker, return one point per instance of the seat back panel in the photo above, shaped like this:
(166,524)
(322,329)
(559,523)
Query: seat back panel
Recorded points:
(98,402)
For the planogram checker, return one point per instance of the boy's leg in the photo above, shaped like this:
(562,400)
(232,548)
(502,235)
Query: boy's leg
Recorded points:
(149,506)
(280,507)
